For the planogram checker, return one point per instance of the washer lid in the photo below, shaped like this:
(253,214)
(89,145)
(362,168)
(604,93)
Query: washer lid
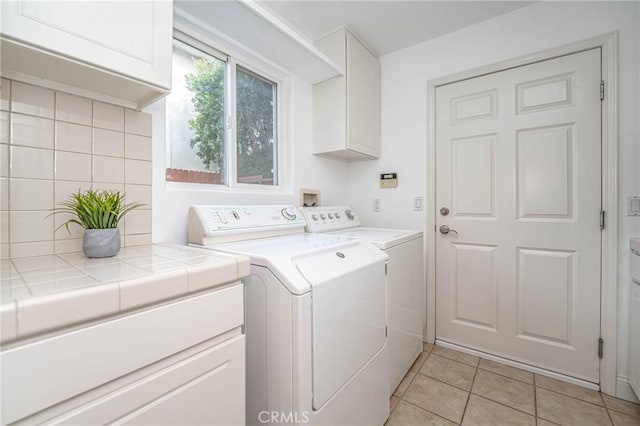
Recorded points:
(348,313)
(276,254)
(381,237)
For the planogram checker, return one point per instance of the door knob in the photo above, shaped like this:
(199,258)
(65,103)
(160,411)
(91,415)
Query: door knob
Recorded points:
(444,229)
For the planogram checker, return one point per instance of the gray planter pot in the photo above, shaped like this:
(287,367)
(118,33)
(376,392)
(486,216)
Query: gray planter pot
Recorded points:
(101,242)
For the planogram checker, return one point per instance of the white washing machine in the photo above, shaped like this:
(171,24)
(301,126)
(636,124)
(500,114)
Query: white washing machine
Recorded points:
(315,317)
(405,280)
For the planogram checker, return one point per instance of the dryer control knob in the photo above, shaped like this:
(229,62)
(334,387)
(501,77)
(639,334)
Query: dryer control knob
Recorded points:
(323,216)
(349,214)
(288,213)
(337,215)
(330,215)
(314,216)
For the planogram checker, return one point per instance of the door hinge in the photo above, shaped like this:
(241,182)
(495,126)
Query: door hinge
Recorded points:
(602,90)
(600,348)
(602,219)
(386,331)
(385,269)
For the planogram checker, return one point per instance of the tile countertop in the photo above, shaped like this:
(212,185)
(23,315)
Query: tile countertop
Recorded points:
(47,292)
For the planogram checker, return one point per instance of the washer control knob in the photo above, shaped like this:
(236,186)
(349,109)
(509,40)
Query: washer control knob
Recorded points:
(323,216)
(288,213)
(330,215)
(337,215)
(349,214)
(314,216)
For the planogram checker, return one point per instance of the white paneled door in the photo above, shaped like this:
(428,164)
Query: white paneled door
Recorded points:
(518,169)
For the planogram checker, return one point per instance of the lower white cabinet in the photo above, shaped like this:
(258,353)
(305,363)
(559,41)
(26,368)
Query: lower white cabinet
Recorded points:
(179,363)
(205,389)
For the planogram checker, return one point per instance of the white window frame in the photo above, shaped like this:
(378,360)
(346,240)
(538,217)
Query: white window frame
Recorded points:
(281,166)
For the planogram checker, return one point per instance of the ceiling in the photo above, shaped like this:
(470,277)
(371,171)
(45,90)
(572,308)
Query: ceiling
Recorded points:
(386,26)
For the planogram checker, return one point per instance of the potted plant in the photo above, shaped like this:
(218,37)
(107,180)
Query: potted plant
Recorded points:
(99,213)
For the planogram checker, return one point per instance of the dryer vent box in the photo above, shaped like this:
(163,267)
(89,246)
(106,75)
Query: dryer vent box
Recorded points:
(388,180)
(309,197)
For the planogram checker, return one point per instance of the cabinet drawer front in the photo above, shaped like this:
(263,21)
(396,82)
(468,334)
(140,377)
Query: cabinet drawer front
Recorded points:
(40,374)
(207,388)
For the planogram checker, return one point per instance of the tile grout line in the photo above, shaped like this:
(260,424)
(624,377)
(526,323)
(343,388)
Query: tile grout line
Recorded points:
(535,398)
(424,409)
(504,375)
(466,404)
(576,398)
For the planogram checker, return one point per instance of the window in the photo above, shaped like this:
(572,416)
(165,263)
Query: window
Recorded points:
(222,121)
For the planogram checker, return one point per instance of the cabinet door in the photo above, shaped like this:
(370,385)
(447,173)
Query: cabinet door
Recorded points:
(363,99)
(205,389)
(132,38)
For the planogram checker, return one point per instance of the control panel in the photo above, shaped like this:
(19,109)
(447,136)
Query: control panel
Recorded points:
(325,219)
(209,224)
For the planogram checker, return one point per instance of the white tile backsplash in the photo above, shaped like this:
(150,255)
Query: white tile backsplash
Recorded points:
(61,233)
(5,94)
(68,246)
(4,227)
(4,194)
(31,163)
(4,160)
(31,131)
(138,222)
(64,189)
(137,147)
(32,100)
(106,116)
(108,142)
(53,144)
(138,172)
(28,226)
(137,123)
(137,239)
(73,166)
(5,126)
(139,193)
(108,169)
(73,109)
(73,137)
(31,194)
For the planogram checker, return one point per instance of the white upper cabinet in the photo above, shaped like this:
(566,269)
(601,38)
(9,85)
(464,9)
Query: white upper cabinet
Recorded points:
(347,108)
(119,50)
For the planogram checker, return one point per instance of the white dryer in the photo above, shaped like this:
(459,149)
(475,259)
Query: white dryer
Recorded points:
(405,280)
(315,317)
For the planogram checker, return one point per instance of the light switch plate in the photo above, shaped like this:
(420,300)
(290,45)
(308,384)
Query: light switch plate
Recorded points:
(633,205)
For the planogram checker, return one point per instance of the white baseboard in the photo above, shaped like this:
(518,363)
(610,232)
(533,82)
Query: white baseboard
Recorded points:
(624,391)
(521,366)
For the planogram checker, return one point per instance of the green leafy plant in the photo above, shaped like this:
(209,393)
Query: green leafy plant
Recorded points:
(95,209)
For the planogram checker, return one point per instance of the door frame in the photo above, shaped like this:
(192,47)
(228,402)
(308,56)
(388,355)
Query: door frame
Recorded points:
(609,243)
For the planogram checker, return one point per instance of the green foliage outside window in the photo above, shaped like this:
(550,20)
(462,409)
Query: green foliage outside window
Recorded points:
(255,115)
(206,84)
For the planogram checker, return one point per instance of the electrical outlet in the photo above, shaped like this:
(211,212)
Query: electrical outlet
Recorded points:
(418,204)
(376,205)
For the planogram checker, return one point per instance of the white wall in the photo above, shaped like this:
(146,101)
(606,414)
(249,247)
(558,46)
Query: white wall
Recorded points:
(404,76)
(171,202)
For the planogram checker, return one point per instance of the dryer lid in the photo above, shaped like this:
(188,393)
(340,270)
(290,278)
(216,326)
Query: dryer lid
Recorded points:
(348,314)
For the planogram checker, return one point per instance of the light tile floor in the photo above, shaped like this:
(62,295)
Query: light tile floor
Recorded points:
(447,387)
